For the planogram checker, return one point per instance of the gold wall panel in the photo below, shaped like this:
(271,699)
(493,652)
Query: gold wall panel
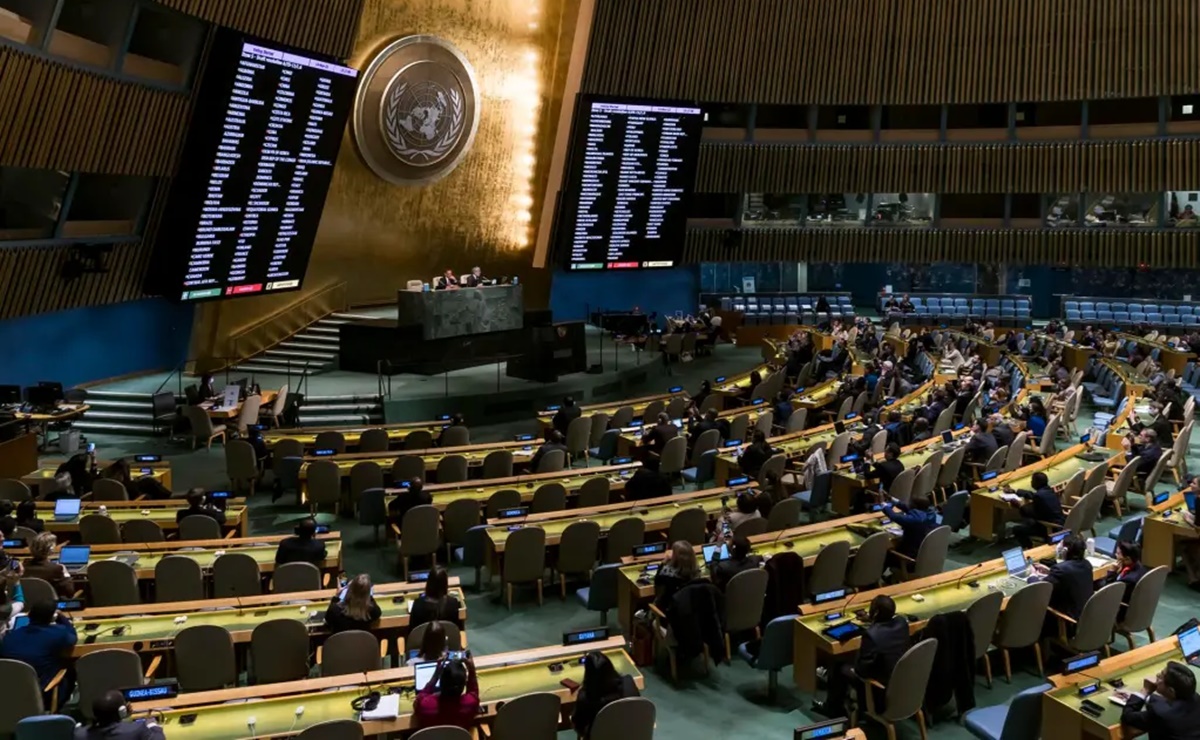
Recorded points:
(894,51)
(375,236)
(1140,166)
(1124,248)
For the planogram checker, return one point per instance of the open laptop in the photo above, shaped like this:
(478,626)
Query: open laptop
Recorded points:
(67,509)
(422,673)
(1189,643)
(716,552)
(1015,562)
(74,557)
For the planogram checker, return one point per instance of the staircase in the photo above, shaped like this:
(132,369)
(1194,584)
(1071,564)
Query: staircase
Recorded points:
(118,412)
(316,345)
(319,411)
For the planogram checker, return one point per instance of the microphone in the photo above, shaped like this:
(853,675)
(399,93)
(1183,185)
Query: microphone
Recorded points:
(853,596)
(970,570)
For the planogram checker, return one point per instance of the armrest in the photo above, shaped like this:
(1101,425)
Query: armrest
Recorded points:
(1060,615)
(904,557)
(485,729)
(462,636)
(154,664)
(325,580)
(78,594)
(657,612)
(395,530)
(50,689)
(1051,526)
(230,534)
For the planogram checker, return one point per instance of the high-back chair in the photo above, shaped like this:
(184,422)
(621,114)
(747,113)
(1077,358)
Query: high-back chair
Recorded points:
(109,489)
(829,569)
(902,486)
(905,690)
(866,570)
(420,535)
(688,525)
(751,527)
(199,527)
(416,636)
(577,551)
(279,651)
(652,410)
(1020,720)
(931,556)
(249,414)
(621,418)
(456,436)
(452,469)
(324,484)
(330,440)
(202,426)
(113,583)
(593,492)
(498,464)
(548,497)
(744,595)
(101,671)
(142,531)
(1096,622)
(797,421)
(365,475)
(1015,452)
(350,652)
(236,574)
(407,467)
(1020,625)
(765,422)
(552,462)
(241,464)
(579,437)
(673,458)
(837,450)
(460,515)
(418,439)
(1143,602)
(505,498)
(296,578)
(599,427)
(178,578)
(528,717)
(774,652)
(524,560)
(346,729)
(204,658)
(98,529)
(600,594)
(22,694)
(14,490)
(631,718)
(983,615)
(622,537)
(374,440)
(784,515)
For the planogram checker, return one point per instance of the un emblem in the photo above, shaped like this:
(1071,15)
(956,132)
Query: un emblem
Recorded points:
(416,110)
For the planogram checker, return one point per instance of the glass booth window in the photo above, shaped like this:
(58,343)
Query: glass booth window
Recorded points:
(836,210)
(1062,209)
(24,21)
(1181,209)
(770,209)
(30,201)
(1121,210)
(902,210)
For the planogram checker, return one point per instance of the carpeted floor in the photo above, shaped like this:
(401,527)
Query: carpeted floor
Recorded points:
(726,704)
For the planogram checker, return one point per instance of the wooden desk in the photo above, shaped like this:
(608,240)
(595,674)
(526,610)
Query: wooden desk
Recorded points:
(352,434)
(846,484)
(160,512)
(806,541)
(1169,357)
(989,352)
(152,628)
(989,511)
(63,412)
(43,476)
(942,593)
(1061,716)
(546,417)
(482,490)
(18,455)
(502,677)
(1163,529)
(230,413)
(522,453)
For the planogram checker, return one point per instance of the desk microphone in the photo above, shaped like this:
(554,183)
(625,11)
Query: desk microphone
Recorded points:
(970,570)
(853,596)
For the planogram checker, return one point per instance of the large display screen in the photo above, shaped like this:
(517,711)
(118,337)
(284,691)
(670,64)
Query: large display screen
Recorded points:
(244,207)
(633,164)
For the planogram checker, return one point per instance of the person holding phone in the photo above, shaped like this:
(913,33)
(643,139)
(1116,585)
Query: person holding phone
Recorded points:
(601,686)
(354,607)
(450,698)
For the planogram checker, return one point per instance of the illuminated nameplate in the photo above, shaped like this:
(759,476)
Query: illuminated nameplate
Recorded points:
(155,691)
(283,284)
(147,458)
(658,263)
(581,636)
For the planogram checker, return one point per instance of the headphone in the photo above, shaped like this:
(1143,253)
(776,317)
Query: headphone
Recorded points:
(366,703)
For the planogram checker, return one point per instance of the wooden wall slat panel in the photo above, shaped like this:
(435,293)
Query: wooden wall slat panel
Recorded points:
(309,25)
(861,52)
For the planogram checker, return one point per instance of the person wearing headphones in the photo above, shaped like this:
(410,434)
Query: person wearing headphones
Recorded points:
(197,499)
(304,547)
(109,712)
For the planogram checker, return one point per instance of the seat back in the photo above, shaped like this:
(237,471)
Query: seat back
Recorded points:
(551,462)
(797,421)
(372,507)
(983,614)
(14,490)
(407,467)
(324,482)
(739,427)
(997,460)
(22,694)
(837,450)
(1095,626)
(498,464)
(420,531)
(1015,452)
(624,719)
(204,658)
(1021,625)
(602,591)
(744,596)
(459,516)
(105,670)
(1143,602)
(456,436)
(452,469)
(599,427)
(441,732)
(751,527)
(593,492)
(235,574)
(910,678)
(364,475)
(869,561)
(652,410)
(951,467)
(142,531)
(418,439)
(955,510)
(528,717)
(931,556)
(296,578)
(688,525)
(330,440)
(829,568)
(623,536)
(342,729)
(199,527)
(525,555)
(279,651)
(765,422)
(577,547)
(902,486)
(775,464)
(775,651)
(505,498)
(943,422)
(108,489)
(374,440)
(784,515)
(113,583)
(548,497)
(241,462)
(621,418)
(178,578)
(1024,718)
(1167,459)
(414,639)
(98,529)
(46,727)
(674,456)
(350,652)
(579,436)
(37,589)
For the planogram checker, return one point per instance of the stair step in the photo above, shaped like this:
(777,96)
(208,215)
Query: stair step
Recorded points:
(340,407)
(144,404)
(346,317)
(96,414)
(318,421)
(316,339)
(340,399)
(254,366)
(117,395)
(103,427)
(301,353)
(331,330)
(283,364)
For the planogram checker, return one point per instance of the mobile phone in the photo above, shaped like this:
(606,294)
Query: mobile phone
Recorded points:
(571,685)
(187,719)
(457,655)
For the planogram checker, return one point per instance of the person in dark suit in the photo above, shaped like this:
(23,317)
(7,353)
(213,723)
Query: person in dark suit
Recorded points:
(647,483)
(916,520)
(920,430)
(883,643)
(566,414)
(755,455)
(1002,431)
(303,548)
(887,469)
(206,390)
(601,686)
(897,432)
(197,499)
(709,421)
(474,279)
(1145,446)
(1160,424)
(554,441)
(1043,506)
(446,282)
(108,722)
(1129,571)
(1171,709)
(408,498)
(662,432)
(783,408)
(1071,578)
(983,444)
(739,560)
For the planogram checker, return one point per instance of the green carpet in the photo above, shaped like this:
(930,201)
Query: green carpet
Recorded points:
(725,704)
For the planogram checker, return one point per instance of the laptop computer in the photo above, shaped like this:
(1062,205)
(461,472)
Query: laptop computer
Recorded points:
(422,673)
(74,557)
(716,552)
(67,509)
(1189,643)
(1015,562)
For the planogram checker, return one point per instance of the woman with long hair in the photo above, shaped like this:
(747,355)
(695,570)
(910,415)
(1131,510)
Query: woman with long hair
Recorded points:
(354,607)
(601,686)
(437,603)
(678,569)
(450,698)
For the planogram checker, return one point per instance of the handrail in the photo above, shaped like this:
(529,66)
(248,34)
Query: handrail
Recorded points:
(177,372)
(265,332)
